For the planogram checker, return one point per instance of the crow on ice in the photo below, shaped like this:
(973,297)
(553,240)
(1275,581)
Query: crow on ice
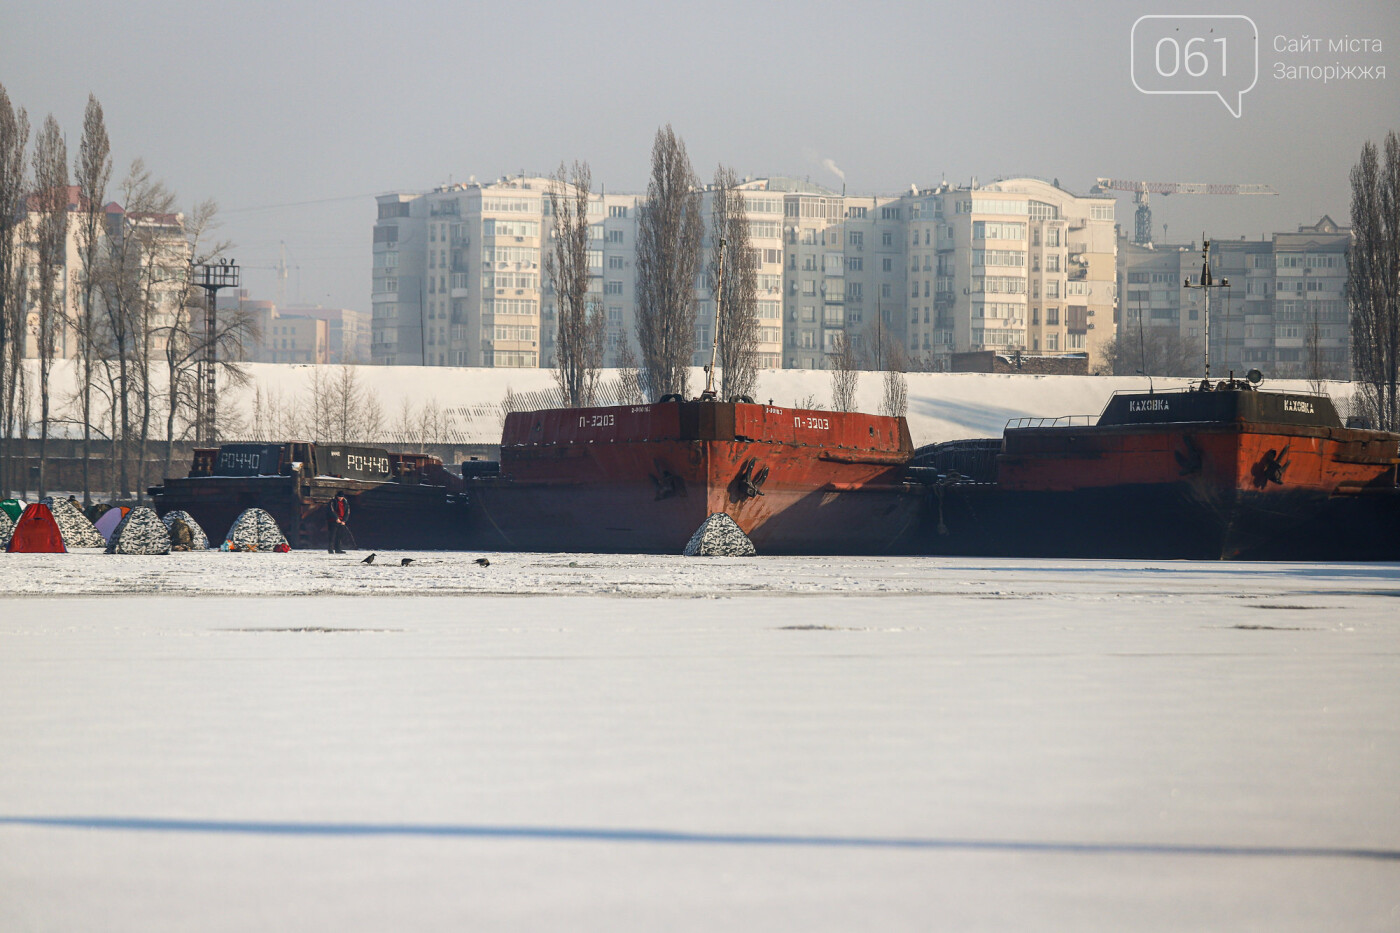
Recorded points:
(368,560)
(406,561)
(482,562)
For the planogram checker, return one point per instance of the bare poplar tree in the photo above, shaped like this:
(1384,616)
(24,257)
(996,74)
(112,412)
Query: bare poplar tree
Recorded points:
(579,342)
(51,237)
(1373,279)
(845,373)
(737,327)
(670,233)
(91,171)
(14,140)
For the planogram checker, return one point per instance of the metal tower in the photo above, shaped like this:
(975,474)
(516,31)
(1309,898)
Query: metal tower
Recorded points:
(211,278)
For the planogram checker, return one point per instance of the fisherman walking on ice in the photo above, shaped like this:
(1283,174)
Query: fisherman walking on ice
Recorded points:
(337,522)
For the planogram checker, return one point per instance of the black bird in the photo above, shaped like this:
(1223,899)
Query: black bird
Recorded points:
(406,561)
(368,560)
(482,562)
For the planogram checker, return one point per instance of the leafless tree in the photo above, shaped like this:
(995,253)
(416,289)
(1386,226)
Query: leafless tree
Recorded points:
(91,170)
(1373,280)
(51,238)
(14,141)
(895,401)
(578,354)
(629,375)
(737,327)
(132,280)
(1150,351)
(845,373)
(670,233)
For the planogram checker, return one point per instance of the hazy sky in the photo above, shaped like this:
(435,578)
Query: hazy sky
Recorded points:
(266,106)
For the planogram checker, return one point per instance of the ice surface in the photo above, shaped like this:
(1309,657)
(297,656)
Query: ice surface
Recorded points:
(582,742)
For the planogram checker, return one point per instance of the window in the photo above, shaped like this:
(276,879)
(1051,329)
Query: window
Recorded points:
(1052,315)
(855,264)
(857,238)
(988,230)
(614,236)
(887,238)
(809,313)
(612,287)
(809,287)
(886,290)
(617,210)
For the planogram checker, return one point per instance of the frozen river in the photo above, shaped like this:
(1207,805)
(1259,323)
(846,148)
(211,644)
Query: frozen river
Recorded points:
(302,742)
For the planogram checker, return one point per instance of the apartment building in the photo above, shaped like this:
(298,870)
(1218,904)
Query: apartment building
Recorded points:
(459,274)
(1020,264)
(1284,311)
(151,247)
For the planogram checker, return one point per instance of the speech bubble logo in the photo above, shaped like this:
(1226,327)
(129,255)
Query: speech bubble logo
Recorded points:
(1183,54)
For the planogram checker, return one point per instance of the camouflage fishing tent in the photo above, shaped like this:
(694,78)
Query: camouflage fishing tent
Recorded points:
(140,532)
(254,530)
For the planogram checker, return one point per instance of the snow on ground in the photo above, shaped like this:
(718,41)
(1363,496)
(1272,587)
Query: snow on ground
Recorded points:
(942,406)
(586,742)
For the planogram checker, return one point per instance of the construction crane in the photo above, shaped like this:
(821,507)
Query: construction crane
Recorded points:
(1142,235)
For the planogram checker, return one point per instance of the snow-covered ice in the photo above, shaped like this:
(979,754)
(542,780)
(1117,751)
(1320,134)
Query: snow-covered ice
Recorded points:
(224,741)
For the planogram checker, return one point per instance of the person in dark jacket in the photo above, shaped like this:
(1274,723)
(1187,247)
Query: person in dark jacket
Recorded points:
(337,522)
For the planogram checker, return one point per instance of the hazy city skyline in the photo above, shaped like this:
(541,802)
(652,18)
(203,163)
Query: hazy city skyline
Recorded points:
(294,116)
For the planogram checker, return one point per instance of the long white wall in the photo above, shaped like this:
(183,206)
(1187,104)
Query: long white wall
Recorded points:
(942,406)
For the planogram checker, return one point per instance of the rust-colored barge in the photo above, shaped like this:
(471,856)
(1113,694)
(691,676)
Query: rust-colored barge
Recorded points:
(642,478)
(397,500)
(1216,471)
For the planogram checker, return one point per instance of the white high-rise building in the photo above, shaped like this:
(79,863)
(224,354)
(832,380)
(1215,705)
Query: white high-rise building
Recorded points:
(1020,264)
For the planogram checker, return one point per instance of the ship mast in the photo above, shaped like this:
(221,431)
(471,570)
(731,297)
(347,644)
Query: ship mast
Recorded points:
(1206,284)
(709,392)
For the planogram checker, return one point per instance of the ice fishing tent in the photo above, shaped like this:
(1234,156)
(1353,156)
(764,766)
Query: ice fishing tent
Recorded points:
(7,525)
(107,522)
(140,532)
(254,530)
(199,541)
(12,508)
(77,531)
(36,532)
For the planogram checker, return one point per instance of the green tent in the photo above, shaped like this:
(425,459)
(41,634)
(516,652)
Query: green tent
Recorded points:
(13,508)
